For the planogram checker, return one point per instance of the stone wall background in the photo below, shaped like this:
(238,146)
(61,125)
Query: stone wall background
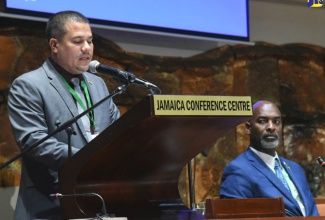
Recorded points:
(290,75)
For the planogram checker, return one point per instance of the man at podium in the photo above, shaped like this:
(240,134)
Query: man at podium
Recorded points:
(260,173)
(40,100)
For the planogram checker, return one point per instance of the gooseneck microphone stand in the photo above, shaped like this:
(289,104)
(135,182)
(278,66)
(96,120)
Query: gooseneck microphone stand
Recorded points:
(67,126)
(104,213)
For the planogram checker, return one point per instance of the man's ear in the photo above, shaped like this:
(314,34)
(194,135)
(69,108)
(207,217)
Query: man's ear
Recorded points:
(248,128)
(53,45)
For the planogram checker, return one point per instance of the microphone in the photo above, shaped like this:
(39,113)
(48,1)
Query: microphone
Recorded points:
(321,162)
(58,196)
(119,75)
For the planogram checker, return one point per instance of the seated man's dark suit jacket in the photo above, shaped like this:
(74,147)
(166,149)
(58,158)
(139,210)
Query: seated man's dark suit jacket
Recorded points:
(247,176)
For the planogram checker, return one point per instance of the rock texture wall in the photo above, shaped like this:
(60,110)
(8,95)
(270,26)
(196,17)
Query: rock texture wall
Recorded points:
(290,75)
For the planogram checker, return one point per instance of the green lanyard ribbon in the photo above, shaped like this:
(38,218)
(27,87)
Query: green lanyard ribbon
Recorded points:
(77,98)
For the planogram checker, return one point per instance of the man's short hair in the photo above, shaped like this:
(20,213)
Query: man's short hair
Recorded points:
(55,27)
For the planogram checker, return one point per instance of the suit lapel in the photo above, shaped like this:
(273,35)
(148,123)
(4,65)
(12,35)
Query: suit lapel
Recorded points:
(55,80)
(91,88)
(259,164)
(94,96)
(294,180)
(291,175)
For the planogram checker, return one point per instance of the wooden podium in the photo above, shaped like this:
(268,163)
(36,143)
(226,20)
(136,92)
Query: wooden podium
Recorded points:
(135,163)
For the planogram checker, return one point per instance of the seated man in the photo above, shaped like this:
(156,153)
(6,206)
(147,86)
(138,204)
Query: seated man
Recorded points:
(260,173)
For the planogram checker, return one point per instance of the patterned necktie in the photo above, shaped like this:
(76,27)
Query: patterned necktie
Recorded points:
(279,174)
(85,120)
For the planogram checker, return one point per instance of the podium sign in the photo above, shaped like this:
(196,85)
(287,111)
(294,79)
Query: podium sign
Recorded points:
(202,105)
(135,163)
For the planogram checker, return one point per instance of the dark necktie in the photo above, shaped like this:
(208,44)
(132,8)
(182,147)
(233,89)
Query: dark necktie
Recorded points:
(279,174)
(84,119)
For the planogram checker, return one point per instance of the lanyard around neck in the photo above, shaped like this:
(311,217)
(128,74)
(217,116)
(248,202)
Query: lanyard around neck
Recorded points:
(81,103)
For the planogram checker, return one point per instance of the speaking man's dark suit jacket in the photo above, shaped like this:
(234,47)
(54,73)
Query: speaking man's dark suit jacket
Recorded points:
(247,176)
(37,101)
